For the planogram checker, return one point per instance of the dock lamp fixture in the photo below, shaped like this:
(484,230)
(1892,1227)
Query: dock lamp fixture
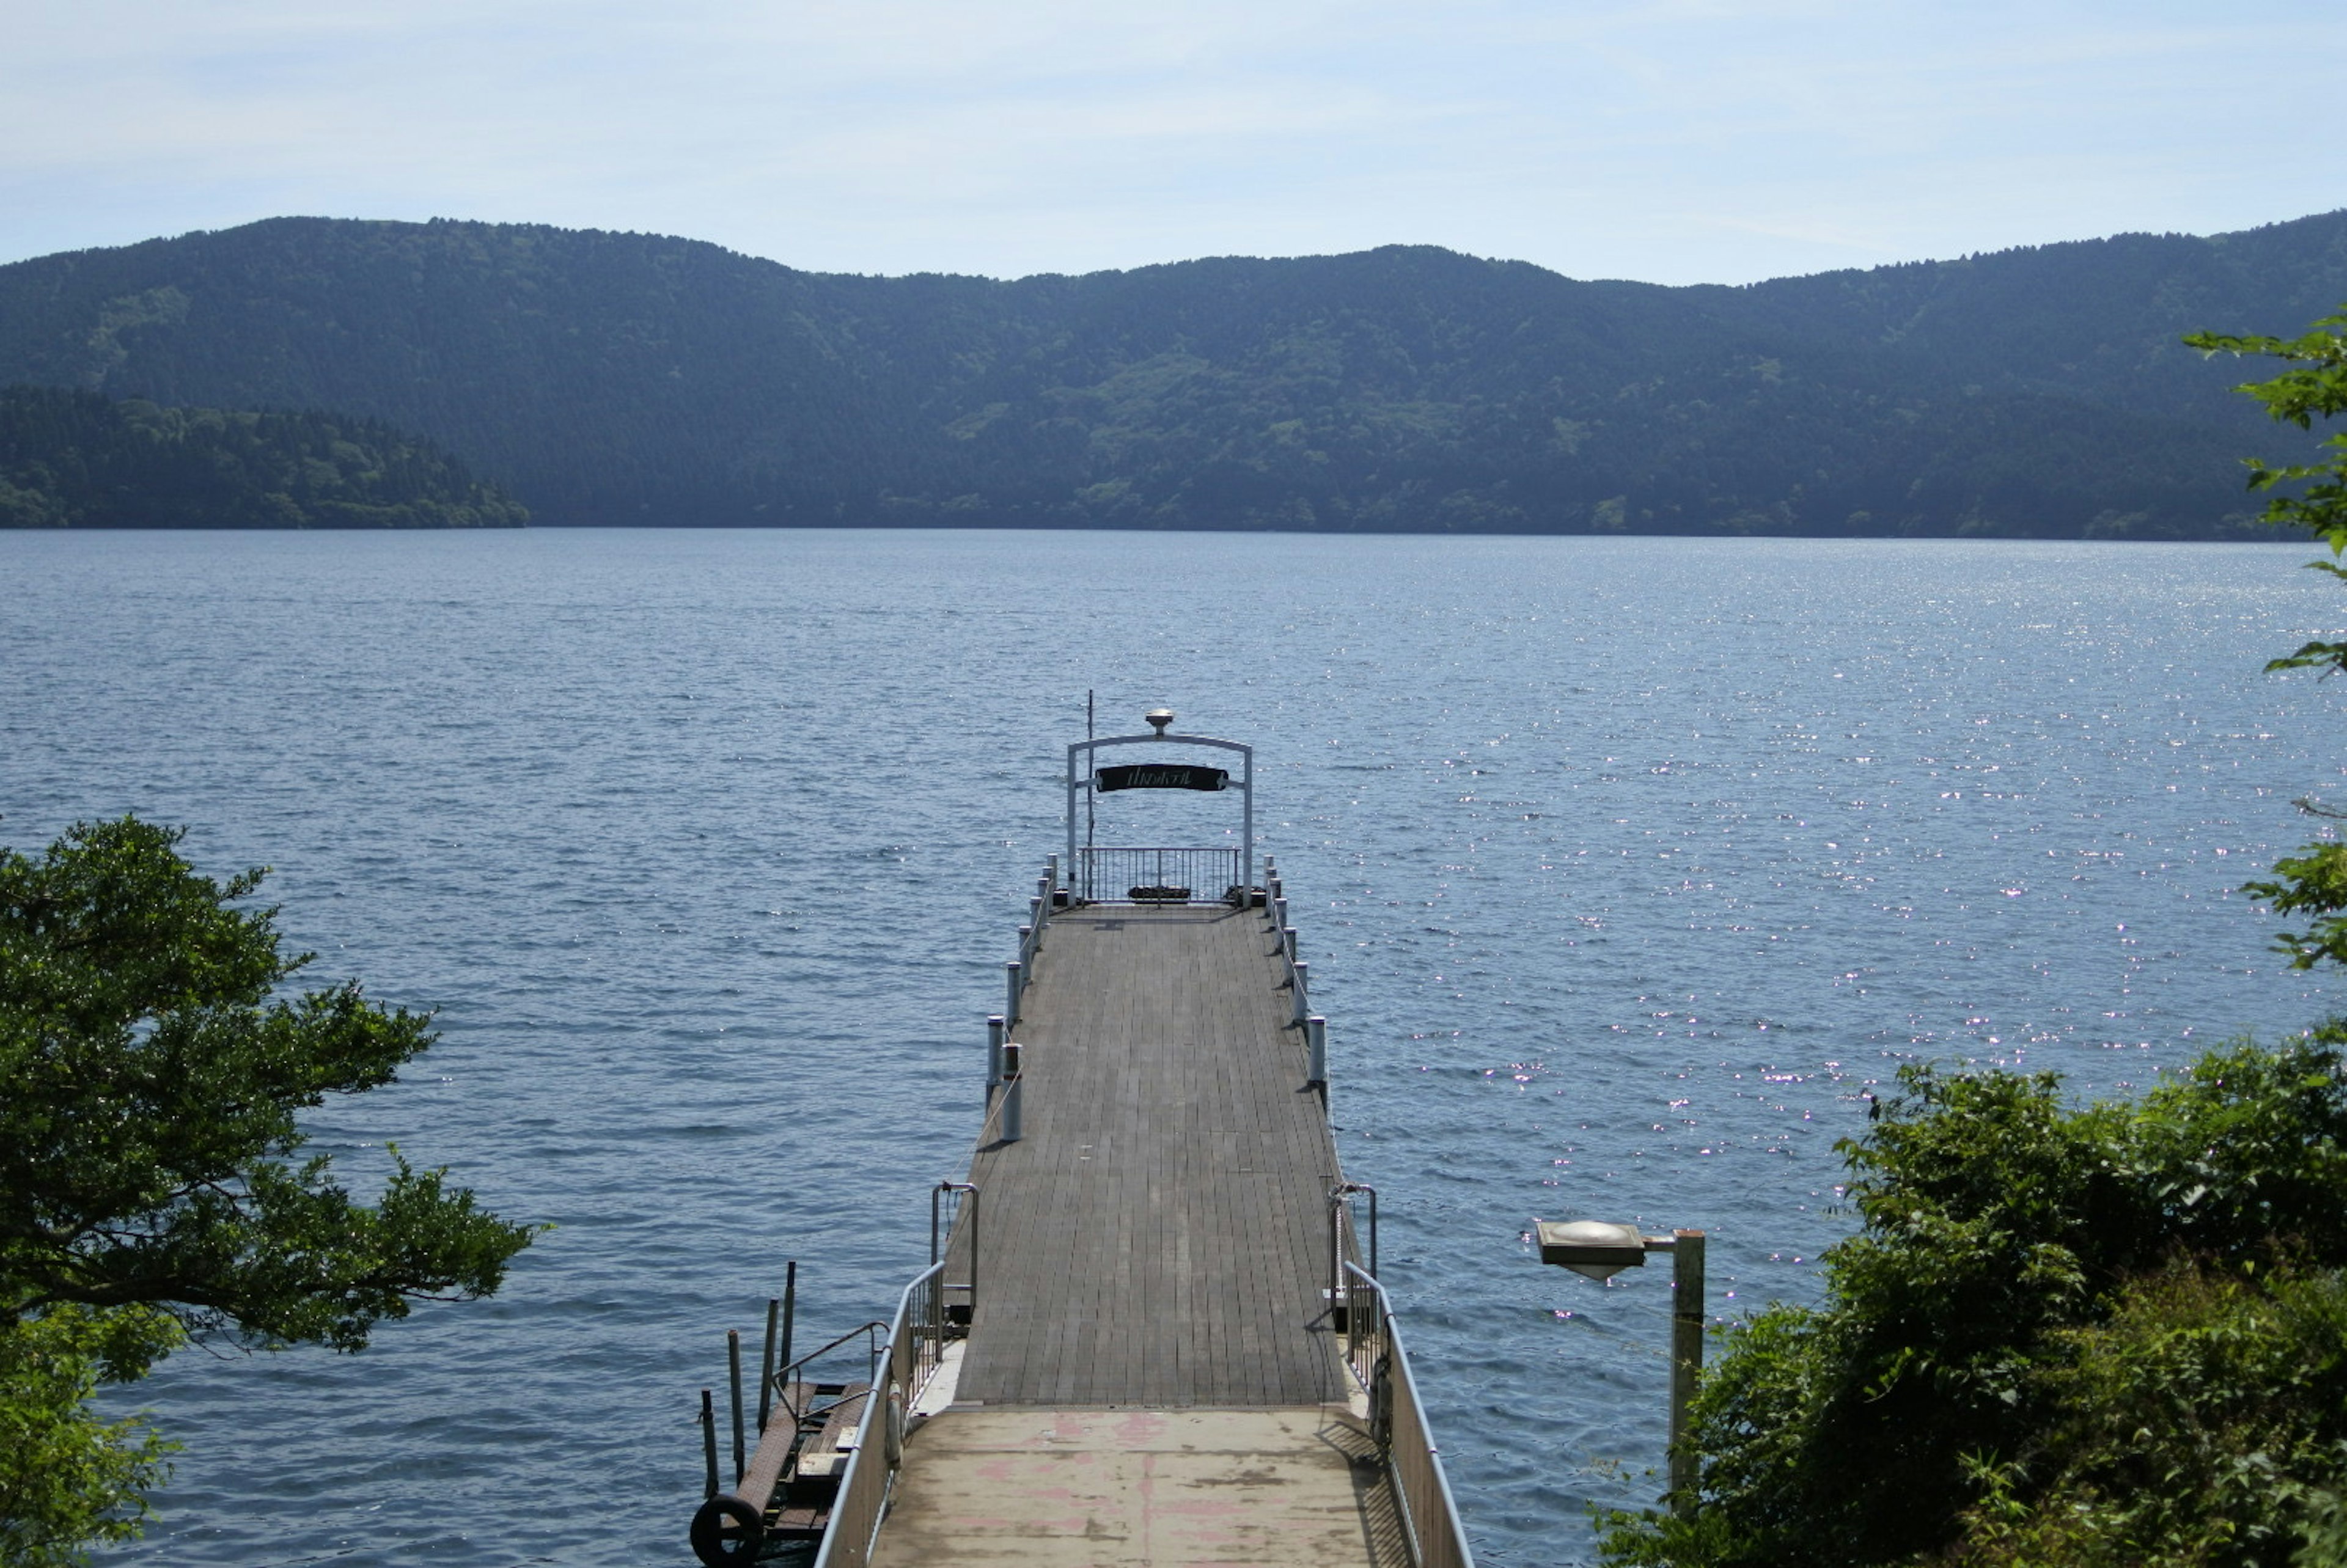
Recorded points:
(1600,1251)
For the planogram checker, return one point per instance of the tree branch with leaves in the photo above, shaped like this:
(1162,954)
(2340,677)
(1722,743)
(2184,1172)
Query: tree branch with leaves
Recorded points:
(153,1068)
(2311,885)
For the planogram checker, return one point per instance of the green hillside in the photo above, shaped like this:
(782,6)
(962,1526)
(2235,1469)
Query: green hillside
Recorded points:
(624,378)
(75,459)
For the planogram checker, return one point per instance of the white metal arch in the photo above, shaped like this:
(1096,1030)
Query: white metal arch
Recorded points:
(1083,760)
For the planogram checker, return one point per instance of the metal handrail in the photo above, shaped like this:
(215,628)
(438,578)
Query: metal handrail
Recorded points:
(944,1232)
(915,1347)
(1373,1352)
(1093,878)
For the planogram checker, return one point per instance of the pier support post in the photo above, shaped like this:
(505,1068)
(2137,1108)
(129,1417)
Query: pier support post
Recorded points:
(734,1367)
(1287,942)
(766,1364)
(996,1024)
(1303,1002)
(790,1311)
(1014,980)
(1686,1359)
(1012,1129)
(1316,1040)
(709,1439)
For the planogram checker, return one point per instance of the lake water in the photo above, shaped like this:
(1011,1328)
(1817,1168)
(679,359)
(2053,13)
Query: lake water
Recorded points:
(1625,867)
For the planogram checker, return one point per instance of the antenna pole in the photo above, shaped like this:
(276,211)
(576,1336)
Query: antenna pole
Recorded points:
(1091,797)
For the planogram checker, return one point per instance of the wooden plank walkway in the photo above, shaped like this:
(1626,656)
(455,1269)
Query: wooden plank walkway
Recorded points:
(1159,1238)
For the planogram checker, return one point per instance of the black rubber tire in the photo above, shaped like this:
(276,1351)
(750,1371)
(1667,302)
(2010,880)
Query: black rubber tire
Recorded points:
(727,1531)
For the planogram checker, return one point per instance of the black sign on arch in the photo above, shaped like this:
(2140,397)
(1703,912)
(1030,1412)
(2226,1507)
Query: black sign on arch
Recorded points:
(1160,775)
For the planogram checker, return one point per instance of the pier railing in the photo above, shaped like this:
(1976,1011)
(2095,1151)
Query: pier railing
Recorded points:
(1125,874)
(916,1343)
(1397,1425)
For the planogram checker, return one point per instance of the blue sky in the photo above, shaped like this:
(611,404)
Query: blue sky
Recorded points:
(1671,141)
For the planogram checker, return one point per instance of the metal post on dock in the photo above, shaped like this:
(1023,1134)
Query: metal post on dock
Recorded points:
(1340,1212)
(709,1439)
(766,1364)
(995,1026)
(790,1310)
(1303,1004)
(1686,1359)
(1011,1080)
(940,1237)
(1012,981)
(1316,1040)
(1287,942)
(733,1367)
(1279,913)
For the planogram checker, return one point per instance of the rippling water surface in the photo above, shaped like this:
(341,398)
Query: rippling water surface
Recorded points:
(1625,867)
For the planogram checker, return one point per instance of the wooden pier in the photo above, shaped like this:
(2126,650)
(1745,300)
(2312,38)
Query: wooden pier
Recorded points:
(1159,1238)
(1148,1338)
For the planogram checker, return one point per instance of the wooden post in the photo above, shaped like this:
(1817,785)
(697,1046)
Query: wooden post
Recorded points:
(1686,1361)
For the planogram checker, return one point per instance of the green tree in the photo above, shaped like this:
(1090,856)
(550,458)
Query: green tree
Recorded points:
(2311,885)
(152,1067)
(2109,1334)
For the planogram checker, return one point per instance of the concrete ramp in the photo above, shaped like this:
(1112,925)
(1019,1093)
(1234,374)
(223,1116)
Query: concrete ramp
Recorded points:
(1040,1488)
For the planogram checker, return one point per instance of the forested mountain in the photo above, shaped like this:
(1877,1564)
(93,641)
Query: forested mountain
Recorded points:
(625,378)
(76,460)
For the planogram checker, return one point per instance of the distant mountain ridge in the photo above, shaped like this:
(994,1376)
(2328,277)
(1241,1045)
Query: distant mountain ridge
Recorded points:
(609,378)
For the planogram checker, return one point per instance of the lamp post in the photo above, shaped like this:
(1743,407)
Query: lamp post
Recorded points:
(1600,1251)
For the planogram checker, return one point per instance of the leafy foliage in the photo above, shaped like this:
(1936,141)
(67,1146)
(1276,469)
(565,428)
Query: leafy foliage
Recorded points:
(2312,883)
(632,379)
(2109,1334)
(67,1476)
(74,459)
(151,1072)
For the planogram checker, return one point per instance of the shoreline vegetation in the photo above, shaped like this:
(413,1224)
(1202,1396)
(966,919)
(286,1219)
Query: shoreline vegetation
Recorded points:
(74,459)
(2102,1335)
(633,379)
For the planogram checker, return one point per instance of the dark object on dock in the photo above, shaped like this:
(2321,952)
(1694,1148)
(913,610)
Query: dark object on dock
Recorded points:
(1158,895)
(807,1430)
(786,1493)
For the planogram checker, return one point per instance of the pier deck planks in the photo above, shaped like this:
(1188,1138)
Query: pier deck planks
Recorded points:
(1159,1238)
